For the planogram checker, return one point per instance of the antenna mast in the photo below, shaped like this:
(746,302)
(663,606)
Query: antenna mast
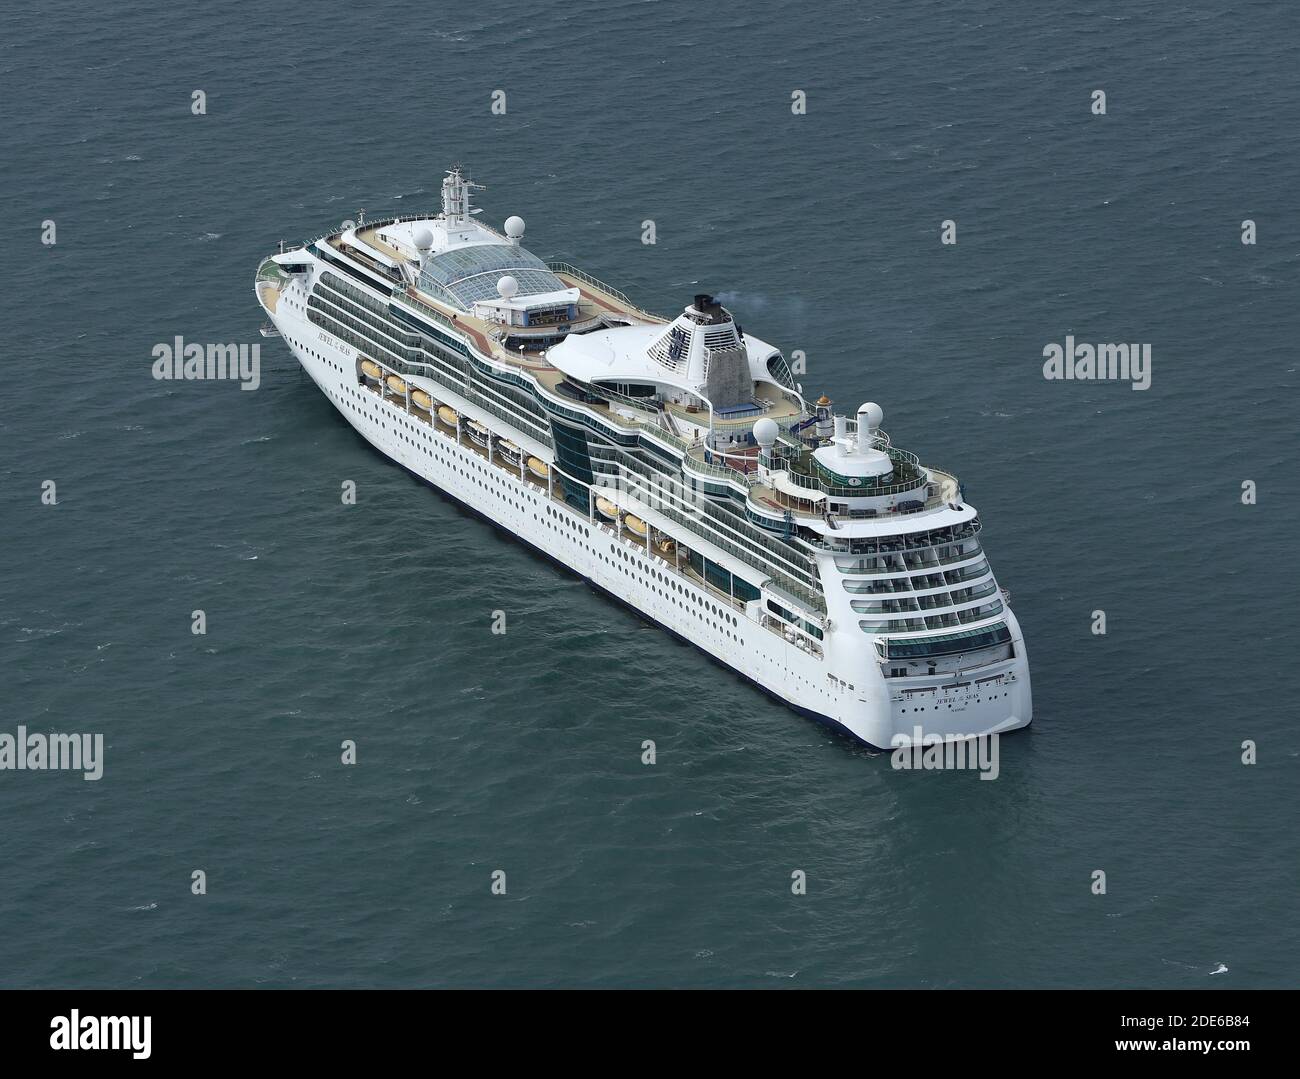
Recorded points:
(457,193)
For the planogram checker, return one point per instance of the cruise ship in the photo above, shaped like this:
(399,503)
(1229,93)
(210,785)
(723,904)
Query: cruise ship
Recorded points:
(674,463)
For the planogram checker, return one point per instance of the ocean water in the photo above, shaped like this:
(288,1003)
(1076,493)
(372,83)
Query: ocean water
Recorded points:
(480,752)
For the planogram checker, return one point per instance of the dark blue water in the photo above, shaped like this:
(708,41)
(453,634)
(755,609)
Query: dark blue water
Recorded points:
(521,752)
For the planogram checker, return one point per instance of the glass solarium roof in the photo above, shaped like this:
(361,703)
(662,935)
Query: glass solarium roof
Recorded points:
(467,274)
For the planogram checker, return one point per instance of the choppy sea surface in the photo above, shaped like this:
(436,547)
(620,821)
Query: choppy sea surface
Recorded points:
(480,752)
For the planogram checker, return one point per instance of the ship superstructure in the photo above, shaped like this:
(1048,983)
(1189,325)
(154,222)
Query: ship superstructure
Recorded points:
(673,463)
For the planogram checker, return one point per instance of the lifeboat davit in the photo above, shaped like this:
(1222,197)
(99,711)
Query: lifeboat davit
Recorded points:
(449,416)
(421,400)
(607,508)
(371,369)
(396,385)
(509,451)
(634,525)
(539,468)
(478,432)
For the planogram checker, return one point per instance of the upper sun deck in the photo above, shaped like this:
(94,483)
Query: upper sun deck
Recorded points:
(785,485)
(595,303)
(716,445)
(722,398)
(515,310)
(509,345)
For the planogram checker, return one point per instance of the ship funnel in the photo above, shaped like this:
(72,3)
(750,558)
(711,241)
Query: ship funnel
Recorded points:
(709,307)
(842,433)
(869,418)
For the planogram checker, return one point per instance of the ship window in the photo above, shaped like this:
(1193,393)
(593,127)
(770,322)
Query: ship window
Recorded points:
(949,643)
(471,273)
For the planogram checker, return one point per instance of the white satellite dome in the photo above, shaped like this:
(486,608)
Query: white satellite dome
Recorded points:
(514,227)
(423,239)
(765,431)
(507,287)
(871,414)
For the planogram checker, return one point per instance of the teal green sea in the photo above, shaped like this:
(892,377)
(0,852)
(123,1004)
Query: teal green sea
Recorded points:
(521,752)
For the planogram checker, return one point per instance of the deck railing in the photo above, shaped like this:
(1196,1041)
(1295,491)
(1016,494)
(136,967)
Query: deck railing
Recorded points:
(404,293)
(269,270)
(569,270)
(696,460)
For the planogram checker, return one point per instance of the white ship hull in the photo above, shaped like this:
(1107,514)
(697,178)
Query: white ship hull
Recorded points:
(844,687)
